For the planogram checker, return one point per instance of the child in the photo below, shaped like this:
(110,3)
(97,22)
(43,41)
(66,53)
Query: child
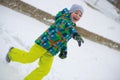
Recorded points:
(53,40)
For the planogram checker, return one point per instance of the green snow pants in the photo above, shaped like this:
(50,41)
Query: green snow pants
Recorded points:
(36,52)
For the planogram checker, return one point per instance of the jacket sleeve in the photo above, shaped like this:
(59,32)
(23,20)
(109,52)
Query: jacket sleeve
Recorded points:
(75,32)
(60,13)
(64,48)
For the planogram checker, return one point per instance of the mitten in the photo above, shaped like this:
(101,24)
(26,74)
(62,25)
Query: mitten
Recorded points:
(63,55)
(78,38)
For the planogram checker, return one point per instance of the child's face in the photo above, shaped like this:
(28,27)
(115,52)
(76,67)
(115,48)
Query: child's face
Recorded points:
(76,16)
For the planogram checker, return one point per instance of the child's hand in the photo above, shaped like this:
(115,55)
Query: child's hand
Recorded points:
(80,41)
(78,38)
(63,55)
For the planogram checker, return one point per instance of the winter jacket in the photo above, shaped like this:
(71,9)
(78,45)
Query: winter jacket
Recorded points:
(55,38)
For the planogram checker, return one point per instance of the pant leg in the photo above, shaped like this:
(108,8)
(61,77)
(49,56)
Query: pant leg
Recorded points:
(45,64)
(26,57)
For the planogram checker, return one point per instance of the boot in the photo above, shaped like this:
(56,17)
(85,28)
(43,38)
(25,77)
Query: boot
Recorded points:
(7,56)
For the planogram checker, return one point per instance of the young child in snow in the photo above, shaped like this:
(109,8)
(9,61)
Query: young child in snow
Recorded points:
(52,41)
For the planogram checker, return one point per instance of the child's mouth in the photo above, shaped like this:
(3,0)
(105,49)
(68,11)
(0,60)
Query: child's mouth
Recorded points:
(75,18)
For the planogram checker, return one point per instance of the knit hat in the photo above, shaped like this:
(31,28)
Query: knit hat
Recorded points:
(76,7)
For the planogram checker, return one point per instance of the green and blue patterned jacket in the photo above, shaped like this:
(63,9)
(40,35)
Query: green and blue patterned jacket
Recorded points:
(55,38)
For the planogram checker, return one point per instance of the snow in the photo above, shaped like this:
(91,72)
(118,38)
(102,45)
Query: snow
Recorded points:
(105,7)
(91,61)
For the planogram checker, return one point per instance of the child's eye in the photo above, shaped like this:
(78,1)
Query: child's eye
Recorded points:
(77,13)
(80,15)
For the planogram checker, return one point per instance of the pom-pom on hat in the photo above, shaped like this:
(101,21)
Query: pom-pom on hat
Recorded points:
(76,7)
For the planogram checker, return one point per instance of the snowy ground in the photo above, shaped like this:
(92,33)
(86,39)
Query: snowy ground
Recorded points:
(91,61)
